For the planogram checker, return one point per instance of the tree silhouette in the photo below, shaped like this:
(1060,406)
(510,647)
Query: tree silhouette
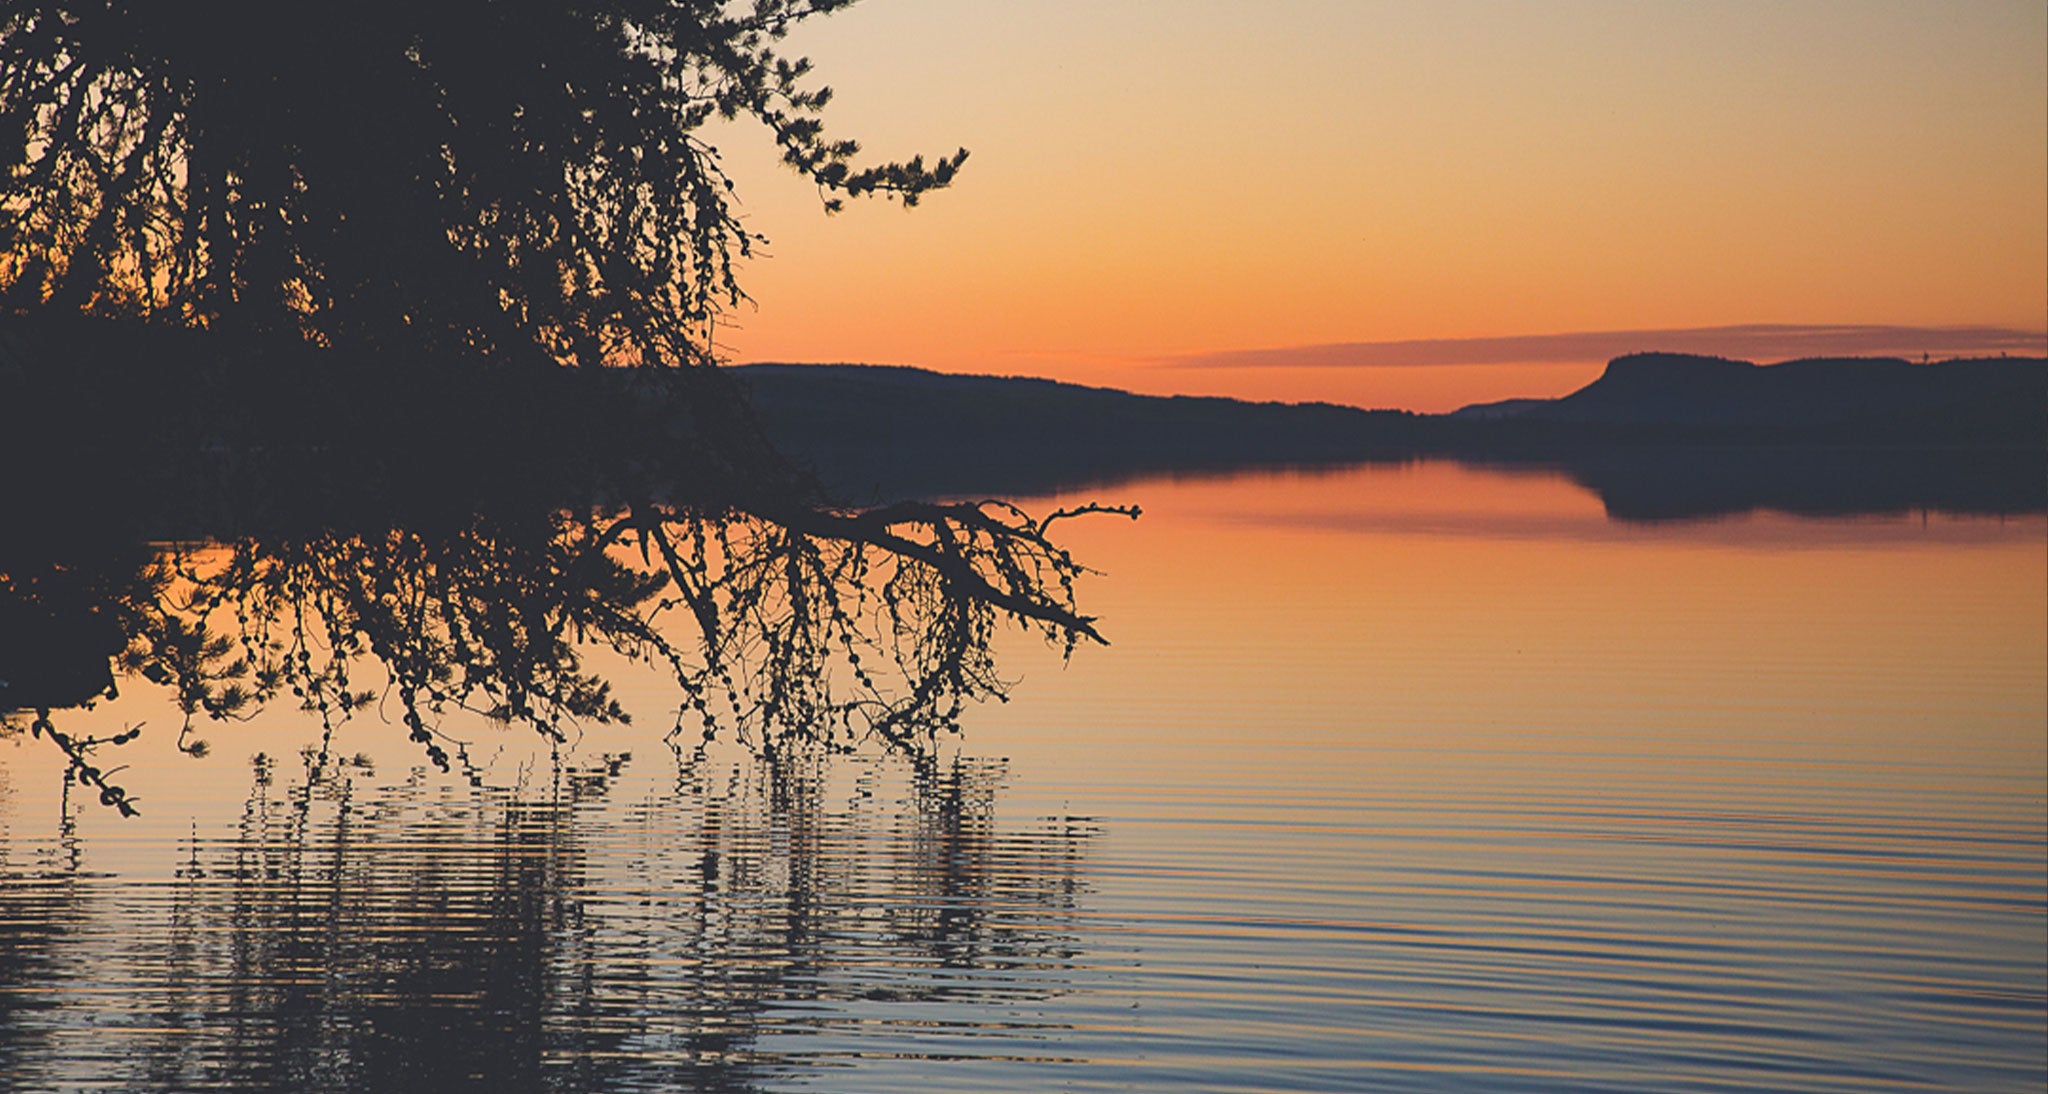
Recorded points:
(469,179)
(272,273)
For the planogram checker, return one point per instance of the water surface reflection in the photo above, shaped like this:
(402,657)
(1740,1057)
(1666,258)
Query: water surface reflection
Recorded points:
(811,627)
(1421,777)
(752,920)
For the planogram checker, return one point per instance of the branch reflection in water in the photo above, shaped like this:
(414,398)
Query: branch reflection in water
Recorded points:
(352,935)
(810,626)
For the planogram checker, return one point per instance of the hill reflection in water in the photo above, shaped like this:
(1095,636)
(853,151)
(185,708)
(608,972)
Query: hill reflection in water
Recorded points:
(358,935)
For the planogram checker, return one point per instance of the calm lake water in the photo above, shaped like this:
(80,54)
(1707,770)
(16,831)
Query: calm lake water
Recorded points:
(1422,778)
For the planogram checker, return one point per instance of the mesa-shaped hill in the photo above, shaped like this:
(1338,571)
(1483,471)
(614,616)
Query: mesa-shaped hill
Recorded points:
(1874,400)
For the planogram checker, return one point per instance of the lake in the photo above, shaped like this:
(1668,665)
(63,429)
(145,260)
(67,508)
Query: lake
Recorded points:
(1421,776)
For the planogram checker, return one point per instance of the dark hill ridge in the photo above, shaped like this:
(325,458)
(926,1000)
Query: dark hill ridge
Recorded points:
(1658,435)
(874,430)
(841,397)
(1666,397)
(1998,400)
(198,431)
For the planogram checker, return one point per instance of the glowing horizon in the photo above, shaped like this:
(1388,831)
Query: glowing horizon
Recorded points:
(1548,360)
(1157,184)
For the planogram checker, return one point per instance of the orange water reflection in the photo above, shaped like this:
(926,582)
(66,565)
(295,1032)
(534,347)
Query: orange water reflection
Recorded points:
(1391,772)
(1435,616)
(1413,624)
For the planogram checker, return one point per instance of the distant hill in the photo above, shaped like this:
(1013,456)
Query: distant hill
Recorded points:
(1996,401)
(1658,435)
(873,430)
(1497,412)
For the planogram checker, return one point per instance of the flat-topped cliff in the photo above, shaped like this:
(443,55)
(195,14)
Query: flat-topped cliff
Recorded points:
(1994,400)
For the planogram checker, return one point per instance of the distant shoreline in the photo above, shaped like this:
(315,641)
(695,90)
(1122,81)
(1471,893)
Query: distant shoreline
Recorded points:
(190,435)
(1660,435)
(1837,375)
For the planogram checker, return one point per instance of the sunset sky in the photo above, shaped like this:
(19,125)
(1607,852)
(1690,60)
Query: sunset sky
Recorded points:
(1412,204)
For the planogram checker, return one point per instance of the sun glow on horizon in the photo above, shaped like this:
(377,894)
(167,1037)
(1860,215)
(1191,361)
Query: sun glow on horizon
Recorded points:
(1154,181)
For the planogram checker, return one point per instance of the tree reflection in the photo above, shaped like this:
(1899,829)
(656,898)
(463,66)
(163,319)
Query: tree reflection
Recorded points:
(40,908)
(808,626)
(435,935)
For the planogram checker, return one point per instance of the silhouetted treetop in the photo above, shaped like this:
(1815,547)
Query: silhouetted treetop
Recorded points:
(462,178)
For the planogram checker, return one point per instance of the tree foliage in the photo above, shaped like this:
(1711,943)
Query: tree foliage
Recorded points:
(466,179)
(254,192)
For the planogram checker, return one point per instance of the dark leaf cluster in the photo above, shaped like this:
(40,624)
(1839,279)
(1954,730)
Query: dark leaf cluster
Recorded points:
(462,179)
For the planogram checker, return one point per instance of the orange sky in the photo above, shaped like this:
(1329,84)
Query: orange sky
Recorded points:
(1157,180)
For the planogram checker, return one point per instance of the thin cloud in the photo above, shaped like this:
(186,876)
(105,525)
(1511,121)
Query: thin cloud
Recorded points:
(1756,342)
